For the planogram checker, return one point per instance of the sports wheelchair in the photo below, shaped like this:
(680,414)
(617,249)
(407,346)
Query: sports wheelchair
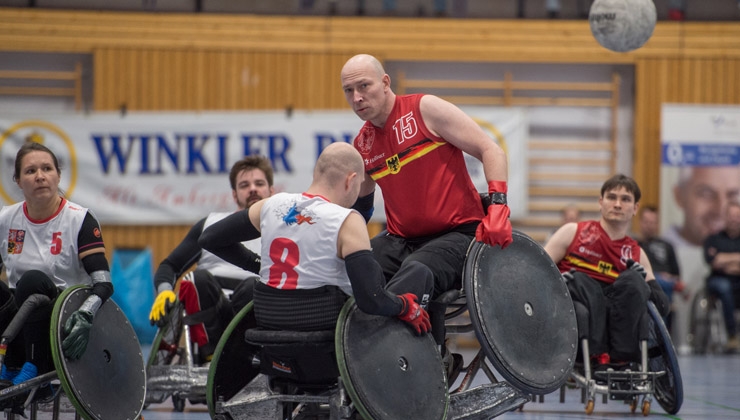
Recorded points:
(658,374)
(375,368)
(107,382)
(172,370)
(708,333)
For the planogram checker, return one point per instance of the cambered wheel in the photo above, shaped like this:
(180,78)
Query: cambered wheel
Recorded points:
(662,357)
(230,369)
(112,352)
(537,309)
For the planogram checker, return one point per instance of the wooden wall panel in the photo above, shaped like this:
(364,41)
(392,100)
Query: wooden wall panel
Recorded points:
(161,239)
(163,61)
(215,80)
(514,40)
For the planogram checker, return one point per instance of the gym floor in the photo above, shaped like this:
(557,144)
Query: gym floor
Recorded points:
(711,385)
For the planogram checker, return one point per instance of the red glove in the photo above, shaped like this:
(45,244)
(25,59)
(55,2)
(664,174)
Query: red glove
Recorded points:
(495,228)
(414,314)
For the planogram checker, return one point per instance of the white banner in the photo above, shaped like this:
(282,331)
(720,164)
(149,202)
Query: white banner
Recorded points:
(700,174)
(172,168)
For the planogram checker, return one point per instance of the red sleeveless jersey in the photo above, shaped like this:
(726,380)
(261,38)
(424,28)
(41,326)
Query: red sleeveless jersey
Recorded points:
(593,253)
(425,183)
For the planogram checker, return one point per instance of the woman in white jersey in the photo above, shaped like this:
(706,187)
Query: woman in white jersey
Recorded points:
(48,244)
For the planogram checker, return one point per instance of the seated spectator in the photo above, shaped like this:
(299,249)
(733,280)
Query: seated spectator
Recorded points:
(722,253)
(661,254)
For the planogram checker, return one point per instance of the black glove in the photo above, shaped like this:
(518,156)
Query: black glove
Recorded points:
(636,266)
(659,298)
(77,332)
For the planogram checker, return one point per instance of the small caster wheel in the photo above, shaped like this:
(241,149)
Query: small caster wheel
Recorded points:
(178,403)
(646,408)
(590,407)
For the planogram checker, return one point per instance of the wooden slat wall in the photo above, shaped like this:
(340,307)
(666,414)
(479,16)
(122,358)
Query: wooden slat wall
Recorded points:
(215,80)
(541,41)
(162,61)
(160,239)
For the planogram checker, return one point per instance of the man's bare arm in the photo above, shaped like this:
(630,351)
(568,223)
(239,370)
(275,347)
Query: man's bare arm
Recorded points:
(558,244)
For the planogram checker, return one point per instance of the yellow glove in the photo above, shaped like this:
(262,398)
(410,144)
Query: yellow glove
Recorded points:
(162,305)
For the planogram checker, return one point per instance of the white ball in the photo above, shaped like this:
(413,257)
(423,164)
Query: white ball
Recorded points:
(622,25)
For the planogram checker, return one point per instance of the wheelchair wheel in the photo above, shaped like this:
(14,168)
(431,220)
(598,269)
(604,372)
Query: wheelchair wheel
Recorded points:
(700,323)
(108,382)
(231,367)
(522,313)
(389,373)
(164,349)
(662,357)
(164,346)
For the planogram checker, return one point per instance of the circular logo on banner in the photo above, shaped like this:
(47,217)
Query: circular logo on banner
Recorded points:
(674,154)
(50,136)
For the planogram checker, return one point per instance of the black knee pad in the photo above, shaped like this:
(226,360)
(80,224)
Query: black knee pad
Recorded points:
(35,282)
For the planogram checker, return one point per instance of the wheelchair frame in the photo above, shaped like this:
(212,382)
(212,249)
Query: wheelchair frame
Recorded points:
(708,333)
(264,397)
(255,398)
(67,377)
(171,368)
(659,375)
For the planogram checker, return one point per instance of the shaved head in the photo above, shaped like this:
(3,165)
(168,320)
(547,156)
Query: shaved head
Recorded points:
(336,162)
(363,62)
(367,88)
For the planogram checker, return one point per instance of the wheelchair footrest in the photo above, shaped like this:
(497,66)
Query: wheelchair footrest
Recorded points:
(30,384)
(177,378)
(622,385)
(486,401)
(258,400)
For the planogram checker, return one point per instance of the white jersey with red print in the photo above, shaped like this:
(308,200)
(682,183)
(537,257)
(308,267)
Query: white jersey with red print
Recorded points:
(216,265)
(594,253)
(299,242)
(424,180)
(48,245)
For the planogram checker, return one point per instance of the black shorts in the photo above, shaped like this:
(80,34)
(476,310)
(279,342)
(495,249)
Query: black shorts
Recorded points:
(444,254)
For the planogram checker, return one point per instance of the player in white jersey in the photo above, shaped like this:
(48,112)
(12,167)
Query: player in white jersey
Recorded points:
(201,290)
(48,244)
(314,242)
